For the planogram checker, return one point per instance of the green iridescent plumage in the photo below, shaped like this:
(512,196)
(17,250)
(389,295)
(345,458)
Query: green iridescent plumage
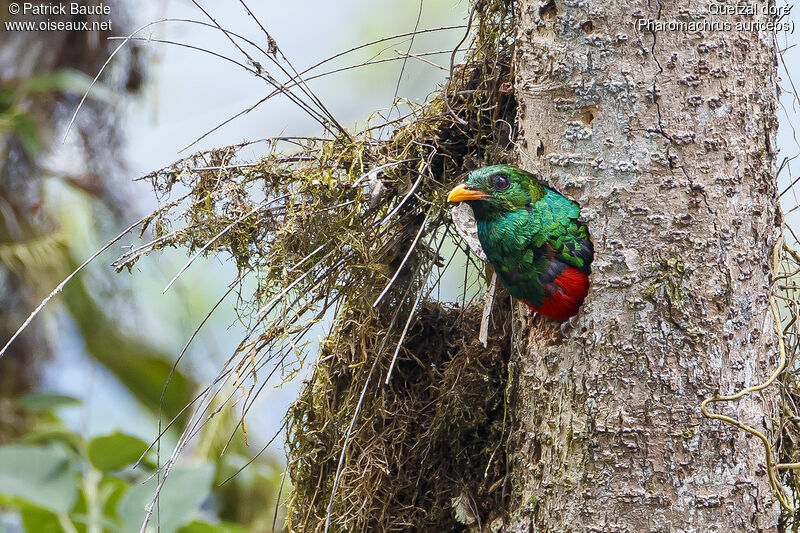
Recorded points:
(531,234)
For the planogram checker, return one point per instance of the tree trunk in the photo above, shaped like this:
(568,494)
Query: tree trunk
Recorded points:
(666,137)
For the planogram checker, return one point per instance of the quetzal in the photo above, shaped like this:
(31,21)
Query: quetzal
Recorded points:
(532,236)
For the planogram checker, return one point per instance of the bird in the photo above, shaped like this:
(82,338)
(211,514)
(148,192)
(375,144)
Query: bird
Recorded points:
(533,237)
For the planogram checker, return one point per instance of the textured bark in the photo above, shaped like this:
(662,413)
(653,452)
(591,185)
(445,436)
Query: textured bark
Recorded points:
(667,140)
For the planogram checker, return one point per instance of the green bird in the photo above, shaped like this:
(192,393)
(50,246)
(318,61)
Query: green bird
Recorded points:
(532,236)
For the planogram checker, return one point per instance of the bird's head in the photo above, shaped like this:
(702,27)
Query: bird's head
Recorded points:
(496,190)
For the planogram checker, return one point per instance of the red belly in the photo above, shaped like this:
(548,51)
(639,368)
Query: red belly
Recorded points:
(564,295)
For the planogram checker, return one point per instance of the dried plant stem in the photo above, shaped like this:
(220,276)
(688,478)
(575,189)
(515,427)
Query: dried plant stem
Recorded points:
(66,280)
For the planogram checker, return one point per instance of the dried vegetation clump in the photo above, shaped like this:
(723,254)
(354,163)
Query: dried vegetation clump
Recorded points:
(427,452)
(402,425)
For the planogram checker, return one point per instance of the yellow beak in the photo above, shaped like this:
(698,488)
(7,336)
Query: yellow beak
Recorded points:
(461,193)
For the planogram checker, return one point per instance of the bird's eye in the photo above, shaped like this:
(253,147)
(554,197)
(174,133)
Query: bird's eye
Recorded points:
(499,182)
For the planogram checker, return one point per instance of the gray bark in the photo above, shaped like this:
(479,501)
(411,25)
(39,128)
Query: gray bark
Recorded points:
(667,140)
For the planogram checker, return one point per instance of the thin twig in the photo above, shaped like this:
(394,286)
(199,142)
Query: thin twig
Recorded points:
(445,97)
(402,263)
(67,280)
(100,72)
(418,56)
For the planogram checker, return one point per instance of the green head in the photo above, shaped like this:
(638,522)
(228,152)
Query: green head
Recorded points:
(496,190)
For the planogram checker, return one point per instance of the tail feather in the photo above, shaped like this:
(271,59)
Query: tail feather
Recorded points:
(564,295)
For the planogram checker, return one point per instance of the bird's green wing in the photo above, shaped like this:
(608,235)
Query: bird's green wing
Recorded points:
(561,229)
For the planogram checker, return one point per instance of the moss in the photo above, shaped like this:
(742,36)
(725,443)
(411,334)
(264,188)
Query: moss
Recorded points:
(433,435)
(325,235)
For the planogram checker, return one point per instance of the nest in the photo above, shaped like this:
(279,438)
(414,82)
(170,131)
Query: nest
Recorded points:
(426,453)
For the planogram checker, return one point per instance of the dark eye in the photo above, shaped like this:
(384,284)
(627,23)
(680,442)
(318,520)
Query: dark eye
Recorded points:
(499,182)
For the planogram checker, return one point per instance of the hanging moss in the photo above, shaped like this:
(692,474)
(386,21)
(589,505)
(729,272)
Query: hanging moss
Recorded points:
(325,232)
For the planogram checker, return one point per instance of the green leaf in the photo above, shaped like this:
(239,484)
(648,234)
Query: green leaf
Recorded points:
(50,433)
(81,521)
(204,527)
(7,96)
(181,496)
(35,520)
(112,490)
(45,401)
(42,476)
(115,451)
